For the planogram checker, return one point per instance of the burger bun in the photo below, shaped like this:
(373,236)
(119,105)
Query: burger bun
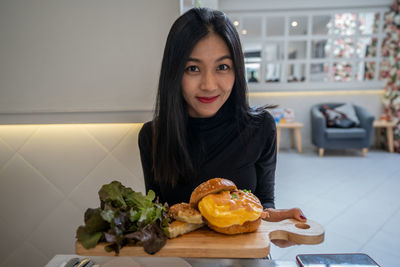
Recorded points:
(211,186)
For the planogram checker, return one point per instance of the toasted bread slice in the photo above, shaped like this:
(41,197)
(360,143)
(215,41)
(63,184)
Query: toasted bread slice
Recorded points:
(183,212)
(177,228)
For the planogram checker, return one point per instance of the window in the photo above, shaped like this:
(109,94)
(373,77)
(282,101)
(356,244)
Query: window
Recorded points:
(315,49)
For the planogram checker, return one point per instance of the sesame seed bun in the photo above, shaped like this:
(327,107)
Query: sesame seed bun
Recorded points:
(211,186)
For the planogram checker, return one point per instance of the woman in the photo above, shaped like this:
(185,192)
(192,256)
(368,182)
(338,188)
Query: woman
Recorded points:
(203,126)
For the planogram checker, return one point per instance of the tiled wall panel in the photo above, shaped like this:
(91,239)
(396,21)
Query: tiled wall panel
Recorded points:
(49,175)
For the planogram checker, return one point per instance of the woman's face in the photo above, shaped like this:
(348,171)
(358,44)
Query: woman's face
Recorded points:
(208,77)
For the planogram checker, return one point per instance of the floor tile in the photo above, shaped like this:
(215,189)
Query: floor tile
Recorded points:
(355,198)
(322,211)
(381,256)
(278,253)
(373,209)
(392,224)
(354,226)
(390,242)
(388,191)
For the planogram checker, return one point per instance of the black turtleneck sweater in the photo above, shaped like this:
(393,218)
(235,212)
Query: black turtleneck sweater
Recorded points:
(218,149)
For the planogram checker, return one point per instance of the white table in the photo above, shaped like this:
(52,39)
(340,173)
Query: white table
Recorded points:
(58,260)
(294,128)
(388,125)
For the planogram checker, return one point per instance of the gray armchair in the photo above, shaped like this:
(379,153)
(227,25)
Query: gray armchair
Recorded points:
(341,138)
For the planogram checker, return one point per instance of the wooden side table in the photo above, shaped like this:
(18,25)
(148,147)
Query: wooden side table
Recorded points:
(294,128)
(378,124)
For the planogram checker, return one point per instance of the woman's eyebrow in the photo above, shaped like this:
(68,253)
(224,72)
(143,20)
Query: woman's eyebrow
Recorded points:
(219,59)
(194,59)
(224,57)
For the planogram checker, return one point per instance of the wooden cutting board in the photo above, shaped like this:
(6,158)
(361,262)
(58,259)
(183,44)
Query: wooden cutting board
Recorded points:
(205,243)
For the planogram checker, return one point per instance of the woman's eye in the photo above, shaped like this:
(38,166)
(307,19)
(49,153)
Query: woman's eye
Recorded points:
(223,67)
(192,68)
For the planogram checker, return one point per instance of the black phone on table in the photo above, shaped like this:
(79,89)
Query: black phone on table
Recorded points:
(339,259)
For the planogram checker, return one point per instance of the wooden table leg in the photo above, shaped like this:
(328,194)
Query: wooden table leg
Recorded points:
(292,137)
(278,138)
(298,140)
(378,137)
(389,135)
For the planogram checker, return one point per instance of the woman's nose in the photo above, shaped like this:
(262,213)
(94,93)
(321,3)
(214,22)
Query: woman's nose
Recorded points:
(208,81)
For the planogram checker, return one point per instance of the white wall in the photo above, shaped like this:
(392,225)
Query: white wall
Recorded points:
(81,55)
(259,5)
(92,60)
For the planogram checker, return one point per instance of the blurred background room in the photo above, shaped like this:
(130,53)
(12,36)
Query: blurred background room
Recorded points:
(79,78)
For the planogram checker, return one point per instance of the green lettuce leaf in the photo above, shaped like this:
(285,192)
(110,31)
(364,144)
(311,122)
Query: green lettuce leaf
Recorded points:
(94,221)
(138,200)
(113,193)
(90,234)
(125,216)
(88,240)
(108,215)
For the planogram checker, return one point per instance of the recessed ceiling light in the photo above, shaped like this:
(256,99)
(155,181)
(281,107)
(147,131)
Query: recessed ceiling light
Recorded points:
(244,31)
(294,23)
(236,23)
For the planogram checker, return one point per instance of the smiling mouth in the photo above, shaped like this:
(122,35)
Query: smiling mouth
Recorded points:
(207,100)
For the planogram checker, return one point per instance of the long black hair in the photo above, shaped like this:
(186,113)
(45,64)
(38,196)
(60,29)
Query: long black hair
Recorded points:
(171,160)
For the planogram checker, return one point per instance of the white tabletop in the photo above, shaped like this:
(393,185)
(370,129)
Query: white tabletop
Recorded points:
(106,261)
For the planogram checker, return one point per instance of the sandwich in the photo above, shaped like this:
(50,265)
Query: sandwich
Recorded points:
(225,208)
(185,219)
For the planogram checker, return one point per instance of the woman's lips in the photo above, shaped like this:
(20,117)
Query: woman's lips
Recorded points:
(206,99)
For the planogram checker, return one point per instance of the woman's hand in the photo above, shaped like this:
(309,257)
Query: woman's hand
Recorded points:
(297,214)
(276,215)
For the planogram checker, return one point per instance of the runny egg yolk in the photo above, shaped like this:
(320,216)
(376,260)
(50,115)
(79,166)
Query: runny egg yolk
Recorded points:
(229,208)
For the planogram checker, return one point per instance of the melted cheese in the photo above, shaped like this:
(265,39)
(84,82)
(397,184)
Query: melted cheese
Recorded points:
(224,209)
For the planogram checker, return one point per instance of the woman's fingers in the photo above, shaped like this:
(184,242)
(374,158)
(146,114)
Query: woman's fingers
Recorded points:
(298,215)
(274,215)
(265,215)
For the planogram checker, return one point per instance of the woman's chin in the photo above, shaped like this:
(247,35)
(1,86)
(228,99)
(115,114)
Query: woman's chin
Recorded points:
(207,113)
